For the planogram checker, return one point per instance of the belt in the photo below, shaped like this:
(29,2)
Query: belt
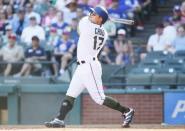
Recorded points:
(83,61)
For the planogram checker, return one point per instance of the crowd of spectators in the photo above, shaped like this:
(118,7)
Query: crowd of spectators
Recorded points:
(170,34)
(38,30)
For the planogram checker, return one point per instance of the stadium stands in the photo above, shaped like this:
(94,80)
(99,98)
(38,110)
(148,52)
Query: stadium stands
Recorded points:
(156,66)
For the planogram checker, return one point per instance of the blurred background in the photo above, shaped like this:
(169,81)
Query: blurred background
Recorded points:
(143,65)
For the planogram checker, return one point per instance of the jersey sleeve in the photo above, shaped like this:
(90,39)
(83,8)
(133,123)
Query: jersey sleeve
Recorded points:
(82,25)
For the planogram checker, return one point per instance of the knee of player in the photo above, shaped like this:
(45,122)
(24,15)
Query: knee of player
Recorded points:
(99,101)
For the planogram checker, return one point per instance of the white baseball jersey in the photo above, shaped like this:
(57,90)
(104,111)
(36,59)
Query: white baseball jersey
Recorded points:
(92,38)
(88,74)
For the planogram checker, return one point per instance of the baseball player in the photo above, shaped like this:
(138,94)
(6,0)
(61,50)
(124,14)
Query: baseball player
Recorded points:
(88,73)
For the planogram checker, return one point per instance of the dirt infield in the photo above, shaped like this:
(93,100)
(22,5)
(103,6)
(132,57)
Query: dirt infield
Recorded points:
(94,128)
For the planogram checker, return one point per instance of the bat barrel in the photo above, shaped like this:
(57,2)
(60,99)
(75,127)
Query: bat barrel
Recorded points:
(122,21)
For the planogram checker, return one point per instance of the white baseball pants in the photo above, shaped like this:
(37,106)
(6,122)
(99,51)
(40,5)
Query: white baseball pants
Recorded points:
(88,75)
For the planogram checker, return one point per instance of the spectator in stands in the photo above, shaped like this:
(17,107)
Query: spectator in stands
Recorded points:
(111,29)
(134,12)
(120,40)
(53,38)
(17,4)
(50,17)
(92,3)
(157,41)
(51,43)
(176,18)
(121,10)
(126,55)
(115,10)
(183,12)
(34,55)
(107,55)
(63,50)
(169,29)
(84,5)
(79,13)
(3,21)
(104,56)
(32,30)
(74,36)
(8,32)
(105,3)
(59,4)
(30,13)
(123,48)
(10,53)
(19,22)
(179,41)
(71,13)
(42,6)
(9,12)
(60,24)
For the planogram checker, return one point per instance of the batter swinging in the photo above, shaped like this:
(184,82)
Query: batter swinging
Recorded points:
(88,73)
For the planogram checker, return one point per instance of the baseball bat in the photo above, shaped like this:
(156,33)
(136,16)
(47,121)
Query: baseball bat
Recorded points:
(122,21)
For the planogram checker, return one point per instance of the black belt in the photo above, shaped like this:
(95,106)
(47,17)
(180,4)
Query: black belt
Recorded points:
(83,62)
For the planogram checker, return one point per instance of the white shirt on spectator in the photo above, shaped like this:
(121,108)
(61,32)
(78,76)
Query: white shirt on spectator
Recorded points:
(158,43)
(36,15)
(14,54)
(60,5)
(68,16)
(170,33)
(179,43)
(31,31)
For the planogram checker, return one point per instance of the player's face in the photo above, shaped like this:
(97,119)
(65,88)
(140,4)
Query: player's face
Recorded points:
(96,19)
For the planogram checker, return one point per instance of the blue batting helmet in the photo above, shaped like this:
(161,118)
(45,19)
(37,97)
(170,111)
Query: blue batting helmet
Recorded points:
(102,12)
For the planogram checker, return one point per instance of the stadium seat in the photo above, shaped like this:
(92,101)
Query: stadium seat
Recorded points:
(138,79)
(163,70)
(180,54)
(148,70)
(176,63)
(140,70)
(109,71)
(181,79)
(183,69)
(150,63)
(164,80)
(159,55)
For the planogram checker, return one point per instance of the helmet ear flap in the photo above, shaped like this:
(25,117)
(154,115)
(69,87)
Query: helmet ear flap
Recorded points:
(101,20)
